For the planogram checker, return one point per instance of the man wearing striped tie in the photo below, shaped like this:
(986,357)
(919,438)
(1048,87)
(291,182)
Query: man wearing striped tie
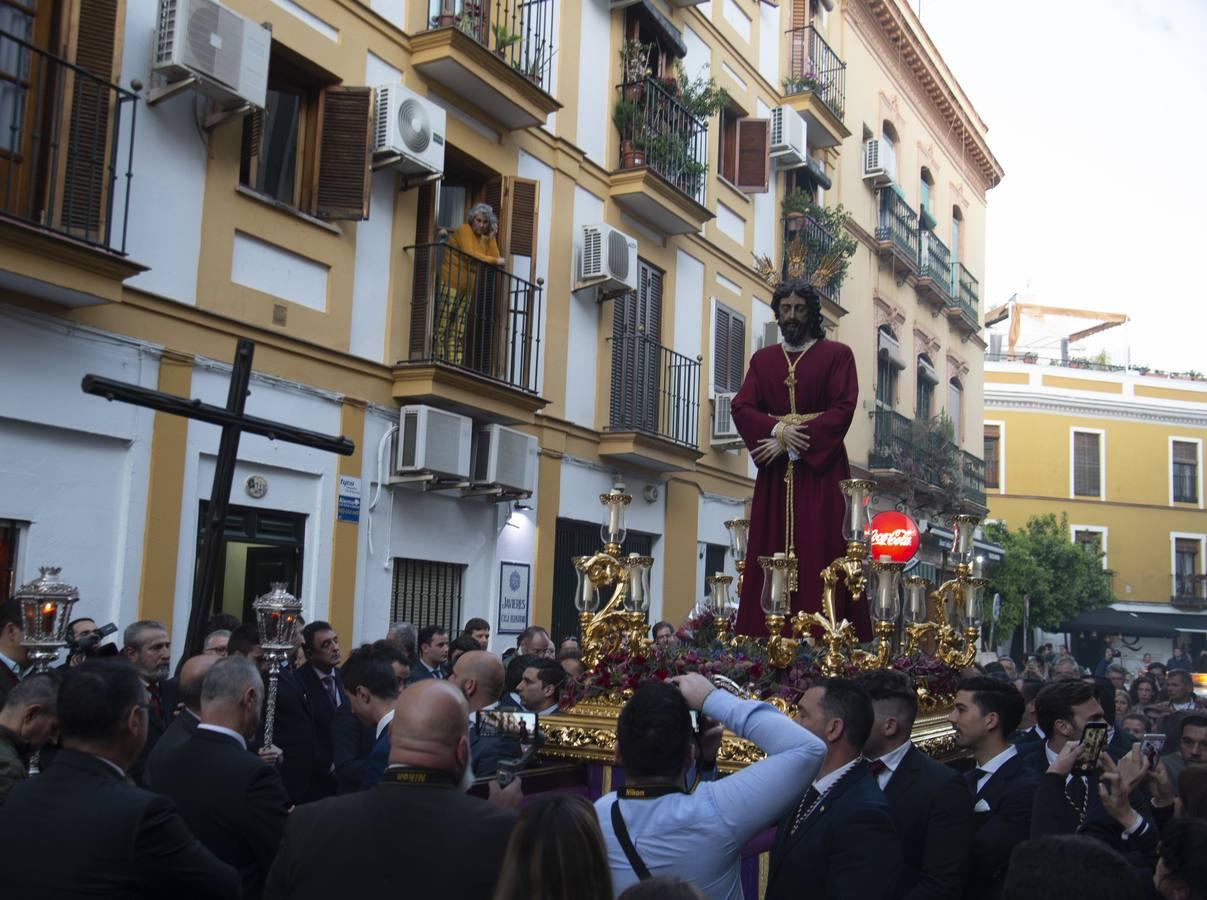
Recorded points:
(433,654)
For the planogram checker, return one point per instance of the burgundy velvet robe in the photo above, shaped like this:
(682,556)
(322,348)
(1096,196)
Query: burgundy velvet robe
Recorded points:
(825,383)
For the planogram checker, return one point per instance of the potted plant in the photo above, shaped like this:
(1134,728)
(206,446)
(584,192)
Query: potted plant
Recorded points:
(504,39)
(626,116)
(1031,358)
(700,96)
(634,67)
(796,207)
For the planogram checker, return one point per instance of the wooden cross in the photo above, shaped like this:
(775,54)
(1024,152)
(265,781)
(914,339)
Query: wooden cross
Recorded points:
(233,422)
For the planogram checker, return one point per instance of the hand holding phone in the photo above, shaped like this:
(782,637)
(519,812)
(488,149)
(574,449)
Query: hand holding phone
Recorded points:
(1151,746)
(1093,742)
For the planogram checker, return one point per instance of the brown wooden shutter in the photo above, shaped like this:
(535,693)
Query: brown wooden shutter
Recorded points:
(737,351)
(345,147)
(720,349)
(523,195)
(492,195)
(800,13)
(87,110)
(425,223)
(754,161)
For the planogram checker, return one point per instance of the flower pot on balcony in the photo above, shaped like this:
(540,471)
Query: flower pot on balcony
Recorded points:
(631,156)
(634,91)
(443,20)
(794,221)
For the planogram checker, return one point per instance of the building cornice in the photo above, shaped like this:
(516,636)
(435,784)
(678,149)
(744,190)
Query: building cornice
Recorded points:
(904,46)
(1095,408)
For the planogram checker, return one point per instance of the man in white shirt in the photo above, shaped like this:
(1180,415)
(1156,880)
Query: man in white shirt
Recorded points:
(929,802)
(986,712)
(698,836)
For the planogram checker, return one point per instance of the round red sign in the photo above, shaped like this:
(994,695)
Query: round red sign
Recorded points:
(893,536)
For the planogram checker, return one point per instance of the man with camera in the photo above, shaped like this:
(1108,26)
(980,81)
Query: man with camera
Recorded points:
(653,826)
(84,641)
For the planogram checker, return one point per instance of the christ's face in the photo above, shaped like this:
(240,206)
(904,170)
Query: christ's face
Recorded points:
(793,310)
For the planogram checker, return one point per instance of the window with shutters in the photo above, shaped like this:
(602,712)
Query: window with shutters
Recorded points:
(427,593)
(1186,565)
(886,382)
(310,147)
(924,399)
(1087,463)
(744,158)
(1091,539)
(993,456)
(1185,464)
(728,349)
(955,408)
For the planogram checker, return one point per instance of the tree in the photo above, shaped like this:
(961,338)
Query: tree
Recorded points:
(1062,578)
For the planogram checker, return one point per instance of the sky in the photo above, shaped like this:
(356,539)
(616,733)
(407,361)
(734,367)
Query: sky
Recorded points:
(1098,113)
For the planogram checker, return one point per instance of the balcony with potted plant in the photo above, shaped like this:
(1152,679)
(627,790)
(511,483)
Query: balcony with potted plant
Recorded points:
(815,237)
(816,86)
(497,55)
(662,130)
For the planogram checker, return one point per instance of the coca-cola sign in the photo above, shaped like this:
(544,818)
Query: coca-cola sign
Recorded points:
(893,536)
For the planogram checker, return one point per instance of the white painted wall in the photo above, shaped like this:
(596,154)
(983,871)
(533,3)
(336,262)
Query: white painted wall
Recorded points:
(371,276)
(300,480)
(393,11)
(765,204)
(168,188)
(769,43)
(71,465)
(529,166)
(689,305)
(282,273)
(699,55)
(730,224)
(582,333)
(595,55)
(581,485)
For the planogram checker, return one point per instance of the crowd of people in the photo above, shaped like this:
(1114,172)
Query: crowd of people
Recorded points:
(164,786)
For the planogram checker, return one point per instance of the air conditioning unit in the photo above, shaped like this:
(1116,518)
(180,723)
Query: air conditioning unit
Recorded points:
(505,458)
(433,442)
(609,259)
(724,434)
(408,131)
(226,53)
(788,145)
(879,162)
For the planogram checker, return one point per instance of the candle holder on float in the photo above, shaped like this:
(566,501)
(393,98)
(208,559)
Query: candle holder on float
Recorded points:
(960,598)
(776,603)
(46,604)
(739,533)
(277,618)
(612,531)
(721,603)
(637,600)
(885,606)
(917,625)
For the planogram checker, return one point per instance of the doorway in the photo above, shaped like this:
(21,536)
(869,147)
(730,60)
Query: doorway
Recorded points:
(259,547)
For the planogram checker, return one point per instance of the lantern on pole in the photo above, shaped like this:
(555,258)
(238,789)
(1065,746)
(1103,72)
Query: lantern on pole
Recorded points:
(277,617)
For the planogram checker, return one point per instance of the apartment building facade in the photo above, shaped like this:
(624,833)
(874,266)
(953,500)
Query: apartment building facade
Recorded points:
(152,214)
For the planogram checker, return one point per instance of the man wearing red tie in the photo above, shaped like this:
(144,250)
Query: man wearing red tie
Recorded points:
(148,648)
(319,678)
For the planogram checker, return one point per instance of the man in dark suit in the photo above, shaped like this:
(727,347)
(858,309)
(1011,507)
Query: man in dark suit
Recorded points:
(147,647)
(80,829)
(412,829)
(433,654)
(13,655)
(27,721)
(929,802)
(479,676)
(192,673)
(372,688)
(231,799)
(318,679)
(1028,731)
(839,840)
(1003,785)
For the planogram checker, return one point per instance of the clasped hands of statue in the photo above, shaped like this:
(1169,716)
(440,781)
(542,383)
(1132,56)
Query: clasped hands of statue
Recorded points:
(787,437)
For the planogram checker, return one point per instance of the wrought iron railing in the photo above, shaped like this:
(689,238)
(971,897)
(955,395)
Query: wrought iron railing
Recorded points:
(973,471)
(898,224)
(818,241)
(519,32)
(656,130)
(893,439)
(476,316)
(66,146)
(925,456)
(813,66)
(934,262)
(655,390)
(967,296)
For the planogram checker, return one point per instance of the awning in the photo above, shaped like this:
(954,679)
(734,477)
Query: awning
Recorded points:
(1137,624)
(926,371)
(945,537)
(817,173)
(889,347)
(665,28)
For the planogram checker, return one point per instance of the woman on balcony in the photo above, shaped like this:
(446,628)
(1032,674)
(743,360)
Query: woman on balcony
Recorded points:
(474,242)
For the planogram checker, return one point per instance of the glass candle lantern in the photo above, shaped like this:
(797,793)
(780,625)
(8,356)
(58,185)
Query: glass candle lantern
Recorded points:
(856,497)
(277,617)
(615,504)
(586,594)
(46,604)
(739,531)
(916,588)
(774,599)
(965,528)
(974,602)
(637,574)
(886,577)
(722,600)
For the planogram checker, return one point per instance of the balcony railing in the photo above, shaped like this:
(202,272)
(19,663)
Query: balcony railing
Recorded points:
(818,240)
(655,390)
(813,66)
(898,224)
(926,457)
(475,316)
(973,471)
(66,146)
(893,439)
(934,262)
(519,32)
(656,130)
(967,292)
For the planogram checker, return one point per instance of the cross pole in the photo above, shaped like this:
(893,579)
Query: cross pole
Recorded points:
(233,422)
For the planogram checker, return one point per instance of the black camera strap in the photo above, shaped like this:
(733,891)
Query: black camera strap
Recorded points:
(626,843)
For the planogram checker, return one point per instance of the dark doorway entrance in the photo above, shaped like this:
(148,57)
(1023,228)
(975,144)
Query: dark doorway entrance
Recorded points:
(573,539)
(259,547)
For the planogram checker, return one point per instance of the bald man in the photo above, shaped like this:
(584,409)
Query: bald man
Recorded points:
(412,829)
(192,674)
(480,677)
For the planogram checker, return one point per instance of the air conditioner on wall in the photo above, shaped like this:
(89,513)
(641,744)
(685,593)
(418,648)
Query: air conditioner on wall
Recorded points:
(433,444)
(608,260)
(226,54)
(788,144)
(505,458)
(724,433)
(408,131)
(879,162)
